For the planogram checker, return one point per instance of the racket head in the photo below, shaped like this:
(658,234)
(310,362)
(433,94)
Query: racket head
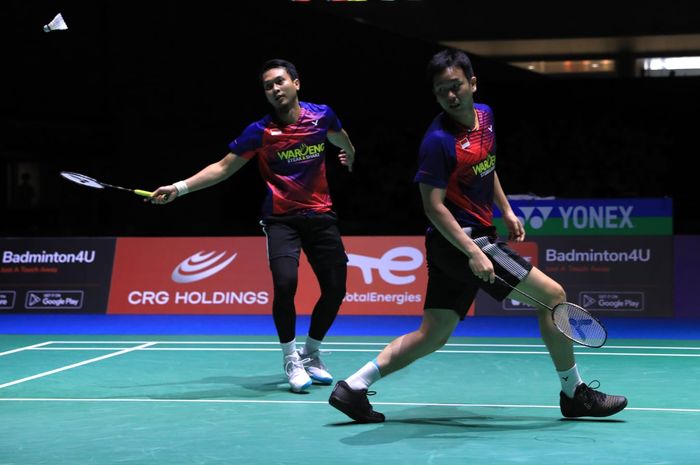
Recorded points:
(579,325)
(81,179)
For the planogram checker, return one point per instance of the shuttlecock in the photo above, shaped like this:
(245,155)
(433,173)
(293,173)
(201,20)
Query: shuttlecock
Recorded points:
(56,24)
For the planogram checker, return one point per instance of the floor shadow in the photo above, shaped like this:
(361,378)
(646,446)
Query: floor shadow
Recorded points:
(227,386)
(447,423)
(593,420)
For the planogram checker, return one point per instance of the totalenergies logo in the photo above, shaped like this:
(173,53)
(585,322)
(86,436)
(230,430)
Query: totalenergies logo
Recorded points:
(200,266)
(396,259)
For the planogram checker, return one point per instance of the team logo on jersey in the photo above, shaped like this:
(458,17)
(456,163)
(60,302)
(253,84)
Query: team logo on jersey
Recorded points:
(302,152)
(485,166)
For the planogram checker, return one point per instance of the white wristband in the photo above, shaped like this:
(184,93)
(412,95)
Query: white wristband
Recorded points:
(181,187)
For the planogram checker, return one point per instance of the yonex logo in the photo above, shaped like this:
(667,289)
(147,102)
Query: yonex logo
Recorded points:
(393,260)
(534,217)
(200,266)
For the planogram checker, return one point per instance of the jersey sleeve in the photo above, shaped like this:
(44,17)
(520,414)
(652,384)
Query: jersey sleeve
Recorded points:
(247,144)
(333,121)
(435,163)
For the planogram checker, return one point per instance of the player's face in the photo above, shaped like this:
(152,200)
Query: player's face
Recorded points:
(280,88)
(454,92)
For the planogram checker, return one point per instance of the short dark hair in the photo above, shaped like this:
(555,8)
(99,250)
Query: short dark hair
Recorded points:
(448,58)
(279,63)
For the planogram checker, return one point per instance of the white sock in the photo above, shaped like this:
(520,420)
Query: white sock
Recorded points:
(569,379)
(311,346)
(289,348)
(365,376)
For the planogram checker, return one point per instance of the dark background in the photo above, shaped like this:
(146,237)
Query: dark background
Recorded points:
(145,94)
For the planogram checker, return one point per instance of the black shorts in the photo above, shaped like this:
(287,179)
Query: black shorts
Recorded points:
(316,234)
(451,283)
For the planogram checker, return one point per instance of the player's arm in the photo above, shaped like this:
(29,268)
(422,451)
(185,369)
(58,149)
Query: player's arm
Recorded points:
(210,175)
(347,151)
(516,231)
(438,214)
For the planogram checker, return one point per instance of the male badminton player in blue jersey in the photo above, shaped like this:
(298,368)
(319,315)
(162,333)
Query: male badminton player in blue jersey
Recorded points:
(459,185)
(290,144)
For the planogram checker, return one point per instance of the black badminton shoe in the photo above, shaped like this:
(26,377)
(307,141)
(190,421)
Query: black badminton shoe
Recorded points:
(588,402)
(354,403)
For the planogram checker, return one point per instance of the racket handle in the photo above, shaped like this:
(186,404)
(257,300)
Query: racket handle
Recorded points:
(142,193)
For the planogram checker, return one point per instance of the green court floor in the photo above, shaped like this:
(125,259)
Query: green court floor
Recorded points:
(76,400)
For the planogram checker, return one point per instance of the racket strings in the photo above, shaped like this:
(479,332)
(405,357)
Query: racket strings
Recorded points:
(579,325)
(82,179)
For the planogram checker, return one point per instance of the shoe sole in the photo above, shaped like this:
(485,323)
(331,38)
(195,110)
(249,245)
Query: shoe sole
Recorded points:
(324,381)
(611,413)
(301,389)
(340,405)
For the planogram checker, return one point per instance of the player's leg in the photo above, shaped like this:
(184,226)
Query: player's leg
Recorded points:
(283,247)
(576,399)
(447,301)
(324,248)
(350,396)
(331,280)
(545,289)
(435,329)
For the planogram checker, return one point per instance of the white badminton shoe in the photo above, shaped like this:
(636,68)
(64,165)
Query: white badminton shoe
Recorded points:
(315,367)
(299,380)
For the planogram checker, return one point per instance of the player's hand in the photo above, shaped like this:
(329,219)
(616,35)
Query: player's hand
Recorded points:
(163,195)
(516,230)
(346,159)
(482,267)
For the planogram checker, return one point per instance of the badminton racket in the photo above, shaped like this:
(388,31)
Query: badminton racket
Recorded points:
(87,181)
(574,321)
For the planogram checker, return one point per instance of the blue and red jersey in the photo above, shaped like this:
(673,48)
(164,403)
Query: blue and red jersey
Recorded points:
(291,159)
(463,162)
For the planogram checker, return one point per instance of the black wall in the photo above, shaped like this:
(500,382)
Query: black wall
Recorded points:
(146,94)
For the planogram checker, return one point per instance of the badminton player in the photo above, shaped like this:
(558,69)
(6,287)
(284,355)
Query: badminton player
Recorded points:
(290,144)
(459,185)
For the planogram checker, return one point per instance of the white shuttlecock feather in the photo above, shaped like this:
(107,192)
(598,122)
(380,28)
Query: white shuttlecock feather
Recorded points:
(56,24)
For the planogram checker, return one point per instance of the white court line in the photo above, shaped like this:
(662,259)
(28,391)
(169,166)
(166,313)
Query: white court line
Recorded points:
(34,346)
(264,349)
(74,365)
(321,402)
(382,344)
